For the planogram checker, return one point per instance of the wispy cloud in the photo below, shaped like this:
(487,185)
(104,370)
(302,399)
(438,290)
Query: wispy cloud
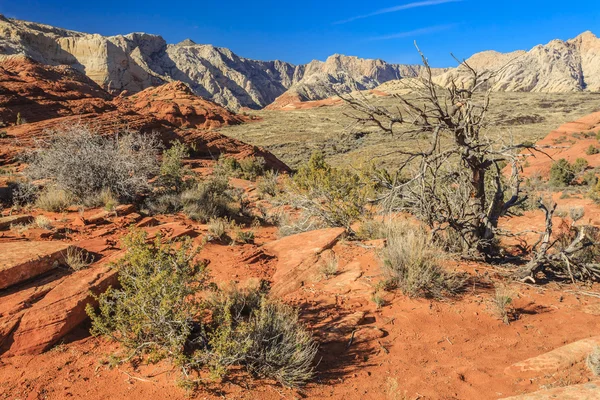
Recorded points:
(416,32)
(425,3)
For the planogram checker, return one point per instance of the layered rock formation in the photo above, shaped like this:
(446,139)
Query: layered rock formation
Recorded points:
(557,67)
(137,61)
(45,97)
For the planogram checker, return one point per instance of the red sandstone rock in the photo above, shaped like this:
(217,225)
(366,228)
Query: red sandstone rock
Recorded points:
(62,309)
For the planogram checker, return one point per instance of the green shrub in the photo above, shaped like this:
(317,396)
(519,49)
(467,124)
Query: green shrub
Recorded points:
(580,165)
(172,171)
(263,335)
(268,184)
(338,197)
(154,311)
(412,261)
(590,151)
(209,199)
(561,173)
(248,168)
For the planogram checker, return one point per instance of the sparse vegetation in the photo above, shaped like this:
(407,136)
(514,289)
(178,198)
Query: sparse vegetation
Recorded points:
(262,335)
(268,184)
(78,259)
(337,197)
(153,312)
(217,228)
(54,199)
(413,263)
(83,162)
(208,199)
(561,173)
(43,222)
(329,266)
(503,298)
(590,151)
(248,168)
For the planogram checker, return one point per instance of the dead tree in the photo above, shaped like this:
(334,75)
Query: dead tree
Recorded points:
(455,183)
(575,257)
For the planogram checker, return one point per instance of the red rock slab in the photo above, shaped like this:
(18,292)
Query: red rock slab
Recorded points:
(586,391)
(297,257)
(555,360)
(62,309)
(6,222)
(21,260)
(14,304)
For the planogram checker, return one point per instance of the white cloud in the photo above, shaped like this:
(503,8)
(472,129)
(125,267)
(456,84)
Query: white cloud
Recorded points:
(425,3)
(416,32)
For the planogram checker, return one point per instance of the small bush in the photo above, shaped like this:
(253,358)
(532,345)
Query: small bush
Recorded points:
(561,173)
(105,198)
(24,193)
(502,300)
(217,228)
(78,259)
(262,335)
(413,263)
(43,222)
(244,236)
(248,168)
(209,199)
(576,213)
(268,184)
(54,200)
(590,151)
(329,267)
(371,230)
(83,162)
(172,171)
(593,361)
(338,197)
(153,311)
(580,165)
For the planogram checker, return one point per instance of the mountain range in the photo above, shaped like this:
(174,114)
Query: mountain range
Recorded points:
(131,63)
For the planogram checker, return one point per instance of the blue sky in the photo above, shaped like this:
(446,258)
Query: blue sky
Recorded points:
(299,31)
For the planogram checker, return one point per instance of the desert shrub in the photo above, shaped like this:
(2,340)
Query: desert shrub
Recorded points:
(590,151)
(263,335)
(593,361)
(105,198)
(83,162)
(172,172)
(580,165)
(217,228)
(412,261)
(248,168)
(371,229)
(590,178)
(164,203)
(561,173)
(54,199)
(268,185)
(78,259)
(43,222)
(3,135)
(209,199)
(502,300)
(243,236)
(576,213)
(329,267)
(338,197)
(24,193)
(153,311)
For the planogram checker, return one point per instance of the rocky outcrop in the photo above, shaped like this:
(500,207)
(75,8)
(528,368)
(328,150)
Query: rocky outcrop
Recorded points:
(48,97)
(137,61)
(557,67)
